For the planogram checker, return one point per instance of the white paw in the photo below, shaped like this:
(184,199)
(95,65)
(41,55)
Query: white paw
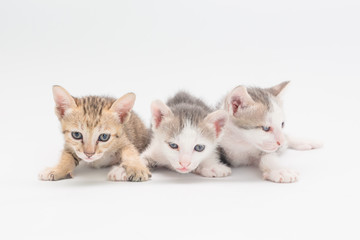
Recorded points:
(281,176)
(117,174)
(46,175)
(218,170)
(52,174)
(306,145)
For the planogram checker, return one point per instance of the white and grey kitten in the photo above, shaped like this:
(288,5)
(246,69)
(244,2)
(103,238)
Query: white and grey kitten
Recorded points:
(254,134)
(185,137)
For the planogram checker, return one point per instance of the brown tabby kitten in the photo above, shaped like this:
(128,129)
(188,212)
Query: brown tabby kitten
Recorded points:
(100,131)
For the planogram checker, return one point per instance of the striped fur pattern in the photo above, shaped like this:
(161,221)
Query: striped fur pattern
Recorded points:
(185,139)
(84,122)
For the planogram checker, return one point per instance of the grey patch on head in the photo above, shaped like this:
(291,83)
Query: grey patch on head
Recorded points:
(186,98)
(261,96)
(186,109)
(254,118)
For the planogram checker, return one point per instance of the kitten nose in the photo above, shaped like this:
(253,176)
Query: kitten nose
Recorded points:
(89,155)
(185,163)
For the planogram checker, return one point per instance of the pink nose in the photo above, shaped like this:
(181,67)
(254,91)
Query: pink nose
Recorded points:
(185,164)
(89,155)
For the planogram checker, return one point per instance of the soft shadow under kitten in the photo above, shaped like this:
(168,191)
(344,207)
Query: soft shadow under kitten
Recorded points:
(100,131)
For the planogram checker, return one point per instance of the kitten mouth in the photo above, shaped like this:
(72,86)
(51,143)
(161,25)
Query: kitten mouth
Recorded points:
(183,170)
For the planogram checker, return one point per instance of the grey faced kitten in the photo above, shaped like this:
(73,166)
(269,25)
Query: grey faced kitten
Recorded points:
(185,138)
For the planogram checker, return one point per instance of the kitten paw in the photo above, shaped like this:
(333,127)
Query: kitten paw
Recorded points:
(305,145)
(117,174)
(132,173)
(137,173)
(53,174)
(216,171)
(281,176)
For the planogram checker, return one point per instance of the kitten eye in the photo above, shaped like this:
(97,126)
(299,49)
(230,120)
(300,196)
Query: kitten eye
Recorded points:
(76,135)
(199,148)
(283,124)
(266,129)
(104,137)
(173,146)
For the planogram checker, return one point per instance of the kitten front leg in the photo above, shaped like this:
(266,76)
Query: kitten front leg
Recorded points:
(131,169)
(302,145)
(63,170)
(272,171)
(213,168)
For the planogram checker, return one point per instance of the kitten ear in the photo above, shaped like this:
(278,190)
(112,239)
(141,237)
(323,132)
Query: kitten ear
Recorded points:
(63,100)
(123,106)
(278,89)
(238,99)
(159,110)
(218,120)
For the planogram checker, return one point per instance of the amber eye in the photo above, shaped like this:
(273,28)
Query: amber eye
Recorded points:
(104,137)
(173,146)
(266,129)
(283,124)
(77,135)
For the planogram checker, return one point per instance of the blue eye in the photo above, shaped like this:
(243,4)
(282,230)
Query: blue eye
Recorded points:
(173,146)
(266,129)
(199,148)
(104,137)
(76,135)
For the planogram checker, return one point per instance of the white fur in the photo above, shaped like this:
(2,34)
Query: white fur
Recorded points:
(273,171)
(303,145)
(160,154)
(107,159)
(117,173)
(255,146)
(212,168)
(46,174)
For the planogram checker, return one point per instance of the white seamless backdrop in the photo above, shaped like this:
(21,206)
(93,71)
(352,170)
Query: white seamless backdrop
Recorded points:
(155,48)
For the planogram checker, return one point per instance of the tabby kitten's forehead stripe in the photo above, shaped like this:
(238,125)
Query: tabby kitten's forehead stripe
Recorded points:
(92,108)
(93,105)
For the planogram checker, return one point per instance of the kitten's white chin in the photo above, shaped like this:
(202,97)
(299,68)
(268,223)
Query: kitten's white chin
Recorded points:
(180,170)
(89,160)
(268,150)
(84,158)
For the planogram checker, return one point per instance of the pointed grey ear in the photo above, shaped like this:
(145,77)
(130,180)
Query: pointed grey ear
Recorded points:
(123,106)
(159,111)
(278,89)
(238,99)
(63,100)
(218,120)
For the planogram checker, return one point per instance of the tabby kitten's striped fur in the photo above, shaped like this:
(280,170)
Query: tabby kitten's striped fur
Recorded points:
(100,131)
